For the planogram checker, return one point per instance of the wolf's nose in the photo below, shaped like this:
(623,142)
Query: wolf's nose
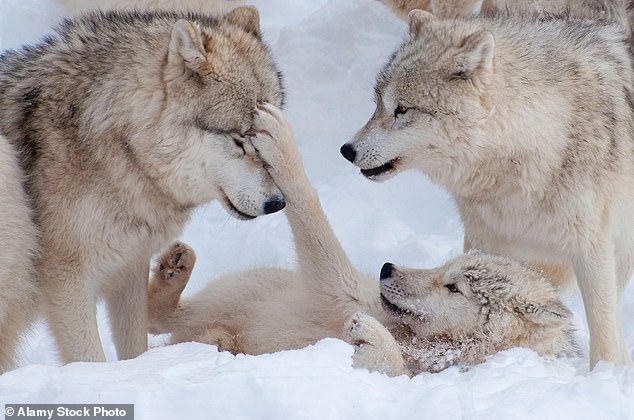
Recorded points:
(347,150)
(386,271)
(274,205)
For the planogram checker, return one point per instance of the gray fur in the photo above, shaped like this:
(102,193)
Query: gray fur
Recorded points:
(124,122)
(528,122)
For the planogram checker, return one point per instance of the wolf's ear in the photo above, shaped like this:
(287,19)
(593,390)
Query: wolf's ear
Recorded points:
(186,49)
(247,18)
(551,314)
(418,20)
(475,56)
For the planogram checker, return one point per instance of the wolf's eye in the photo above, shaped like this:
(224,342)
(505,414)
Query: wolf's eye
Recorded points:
(400,110)
(452,288)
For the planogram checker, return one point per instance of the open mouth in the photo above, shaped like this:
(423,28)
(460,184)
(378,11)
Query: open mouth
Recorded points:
(381,170)
(394,309)
(233,210)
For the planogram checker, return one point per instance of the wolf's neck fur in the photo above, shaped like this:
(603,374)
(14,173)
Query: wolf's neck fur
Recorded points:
(440,352)
(530,104)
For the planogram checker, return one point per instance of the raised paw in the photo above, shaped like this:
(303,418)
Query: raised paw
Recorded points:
(363,330)
(175,266)
(374,346)
(272,137)
(169,278)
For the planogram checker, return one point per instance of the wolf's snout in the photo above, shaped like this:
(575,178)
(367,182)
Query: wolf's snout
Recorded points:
(386,271)
(274,205)
(347,150)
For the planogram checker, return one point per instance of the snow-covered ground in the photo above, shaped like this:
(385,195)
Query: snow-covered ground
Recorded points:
(330,52)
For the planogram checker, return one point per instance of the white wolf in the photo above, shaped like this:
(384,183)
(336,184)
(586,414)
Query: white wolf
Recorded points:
(529,124)
(459,313)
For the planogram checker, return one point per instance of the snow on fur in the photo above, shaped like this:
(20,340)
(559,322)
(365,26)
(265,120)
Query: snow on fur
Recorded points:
(330,52)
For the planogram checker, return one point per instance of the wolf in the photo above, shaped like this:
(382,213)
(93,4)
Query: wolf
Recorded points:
(18,251)
(458,314)
(473,306)
(607,10)
(444,9)
(538,171)
(214,7)
(123,123)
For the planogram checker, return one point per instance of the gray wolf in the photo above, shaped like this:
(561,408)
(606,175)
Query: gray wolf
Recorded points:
(617,11)
(18,250)
(213,7)
(123,123)
(478,304)
(497,111)
(440,8)
(607,10)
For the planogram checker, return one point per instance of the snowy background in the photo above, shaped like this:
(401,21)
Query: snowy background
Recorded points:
(330,52)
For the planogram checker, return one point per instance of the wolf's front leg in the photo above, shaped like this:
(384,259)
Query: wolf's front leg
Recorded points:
(127,310)
(596,274)
(323,263)
(375,348)
(71,310)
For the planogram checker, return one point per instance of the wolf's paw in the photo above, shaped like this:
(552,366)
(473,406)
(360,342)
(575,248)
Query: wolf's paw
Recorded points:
(175,266)
(362,331)
(272,137)
(374,346)
(221,338)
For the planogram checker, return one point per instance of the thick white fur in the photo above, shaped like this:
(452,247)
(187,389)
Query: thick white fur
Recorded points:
(537,171)
(267,310)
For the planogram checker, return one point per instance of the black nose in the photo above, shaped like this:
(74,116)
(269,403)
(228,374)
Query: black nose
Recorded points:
(347,150)
(386,271)
(274,205)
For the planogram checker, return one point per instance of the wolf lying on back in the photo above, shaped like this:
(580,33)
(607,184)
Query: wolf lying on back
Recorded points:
(471,307)
(124,122)
(530,125)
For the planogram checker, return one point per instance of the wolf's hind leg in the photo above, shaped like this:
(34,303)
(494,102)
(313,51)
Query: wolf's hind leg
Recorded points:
(220,337)
(168,280)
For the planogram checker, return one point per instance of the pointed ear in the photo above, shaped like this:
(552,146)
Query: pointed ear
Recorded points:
(475,56)
(247,18)
(551,314)
(418,20)
(186,49)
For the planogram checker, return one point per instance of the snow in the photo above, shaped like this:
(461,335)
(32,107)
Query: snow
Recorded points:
(330,52)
